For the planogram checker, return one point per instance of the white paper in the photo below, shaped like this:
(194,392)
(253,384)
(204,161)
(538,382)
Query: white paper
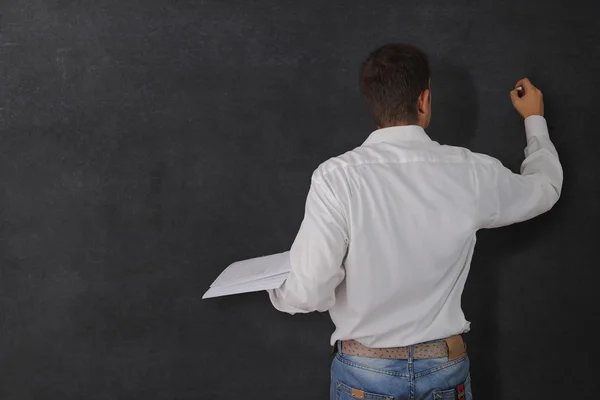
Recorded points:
(254,269)
(264,284)
(255,274)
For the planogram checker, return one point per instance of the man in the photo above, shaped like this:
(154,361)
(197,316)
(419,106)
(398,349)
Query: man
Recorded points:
(389,231)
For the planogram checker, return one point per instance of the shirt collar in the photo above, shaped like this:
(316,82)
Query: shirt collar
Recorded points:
(396,134)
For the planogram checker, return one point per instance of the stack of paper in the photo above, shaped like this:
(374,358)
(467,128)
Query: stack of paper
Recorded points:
(255,274)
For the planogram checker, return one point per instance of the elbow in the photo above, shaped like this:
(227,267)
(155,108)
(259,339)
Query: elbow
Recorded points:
(556,185)
(549,187)
(552,194)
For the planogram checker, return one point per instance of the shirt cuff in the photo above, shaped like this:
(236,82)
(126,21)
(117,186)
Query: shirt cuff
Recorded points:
(535,126)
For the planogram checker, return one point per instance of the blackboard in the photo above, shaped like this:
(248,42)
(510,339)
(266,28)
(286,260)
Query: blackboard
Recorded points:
(145,145)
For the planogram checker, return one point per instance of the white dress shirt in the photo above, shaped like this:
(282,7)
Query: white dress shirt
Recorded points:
(389,231)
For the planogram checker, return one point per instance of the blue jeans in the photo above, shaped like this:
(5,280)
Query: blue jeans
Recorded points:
(387,379)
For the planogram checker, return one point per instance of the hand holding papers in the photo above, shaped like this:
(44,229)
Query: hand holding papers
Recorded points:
(255,274)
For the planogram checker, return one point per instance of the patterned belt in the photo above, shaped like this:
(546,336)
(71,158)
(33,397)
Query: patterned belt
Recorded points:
(453,347)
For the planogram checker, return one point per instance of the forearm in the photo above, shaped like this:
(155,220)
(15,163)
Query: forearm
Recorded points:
(542,162)
(535,191)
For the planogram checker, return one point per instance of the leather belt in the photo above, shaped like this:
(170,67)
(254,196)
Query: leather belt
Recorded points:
(452,347)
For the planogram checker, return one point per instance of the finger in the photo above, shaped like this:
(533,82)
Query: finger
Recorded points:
(514,95)
(526,83)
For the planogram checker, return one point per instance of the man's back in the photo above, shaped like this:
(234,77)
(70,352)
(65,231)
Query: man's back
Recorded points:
(411,208)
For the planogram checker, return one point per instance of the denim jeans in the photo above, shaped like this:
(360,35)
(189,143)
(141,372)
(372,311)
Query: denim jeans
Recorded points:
(388,379)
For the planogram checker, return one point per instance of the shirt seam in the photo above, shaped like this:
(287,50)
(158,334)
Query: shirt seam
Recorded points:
(343,167)
(331,195)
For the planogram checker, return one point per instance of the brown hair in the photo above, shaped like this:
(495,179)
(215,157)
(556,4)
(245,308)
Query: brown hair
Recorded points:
(391,80)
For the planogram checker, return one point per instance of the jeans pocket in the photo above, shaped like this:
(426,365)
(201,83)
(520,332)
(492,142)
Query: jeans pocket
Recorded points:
(345,392)
(461,392)
(444,394)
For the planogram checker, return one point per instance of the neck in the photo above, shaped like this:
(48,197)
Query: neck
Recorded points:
(418,123)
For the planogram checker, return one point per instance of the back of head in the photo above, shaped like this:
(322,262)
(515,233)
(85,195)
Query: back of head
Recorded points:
(392,79)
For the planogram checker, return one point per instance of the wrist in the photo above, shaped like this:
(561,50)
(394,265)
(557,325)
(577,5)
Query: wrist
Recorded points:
(533,114)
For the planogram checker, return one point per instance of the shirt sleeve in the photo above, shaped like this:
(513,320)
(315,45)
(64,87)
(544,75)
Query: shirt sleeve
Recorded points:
(316,255)
(518,197)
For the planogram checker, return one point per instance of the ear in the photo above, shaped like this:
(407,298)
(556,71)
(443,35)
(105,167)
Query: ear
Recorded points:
(424,101)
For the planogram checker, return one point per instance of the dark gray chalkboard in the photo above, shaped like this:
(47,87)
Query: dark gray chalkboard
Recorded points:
(145,145)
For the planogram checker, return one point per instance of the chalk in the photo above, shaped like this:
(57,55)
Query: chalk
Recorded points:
(519,90)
